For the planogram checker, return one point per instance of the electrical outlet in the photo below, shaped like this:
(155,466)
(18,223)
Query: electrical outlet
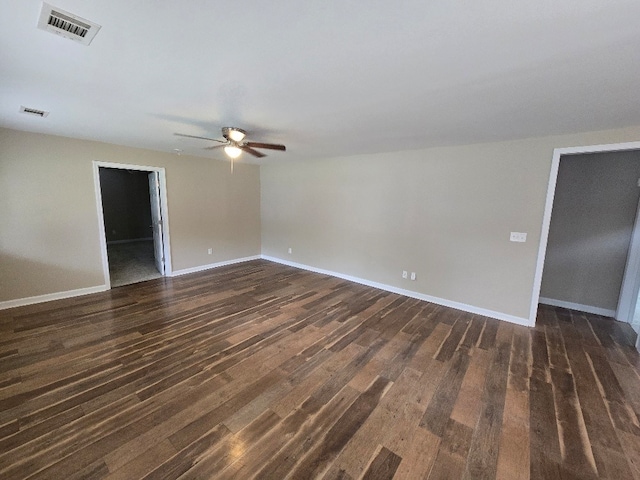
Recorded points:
(413,275)
(290,250)
(405,275)
(518,237)
(210,251)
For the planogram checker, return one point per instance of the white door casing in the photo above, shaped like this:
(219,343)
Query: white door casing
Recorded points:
(631,280)
(162,188)
(156,220)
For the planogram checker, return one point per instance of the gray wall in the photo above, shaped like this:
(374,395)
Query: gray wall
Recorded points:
(593,214)
(49,227)
(125,204)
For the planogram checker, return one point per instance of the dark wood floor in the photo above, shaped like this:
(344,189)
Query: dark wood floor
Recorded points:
(260,370)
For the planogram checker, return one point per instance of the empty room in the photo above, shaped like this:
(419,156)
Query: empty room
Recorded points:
(317,240)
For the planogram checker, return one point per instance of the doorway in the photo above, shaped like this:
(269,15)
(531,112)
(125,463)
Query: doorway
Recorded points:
(131,202)
(594,210)
(627,299)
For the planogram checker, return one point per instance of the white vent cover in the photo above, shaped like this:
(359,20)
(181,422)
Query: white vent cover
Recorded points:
(55,20)
(33,111)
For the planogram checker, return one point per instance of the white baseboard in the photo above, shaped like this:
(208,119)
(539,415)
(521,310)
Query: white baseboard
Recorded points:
(577,306)
(20,302)
(200,268)
(400,291)
(408,293)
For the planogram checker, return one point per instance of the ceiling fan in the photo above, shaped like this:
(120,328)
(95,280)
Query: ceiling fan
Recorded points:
(234,143)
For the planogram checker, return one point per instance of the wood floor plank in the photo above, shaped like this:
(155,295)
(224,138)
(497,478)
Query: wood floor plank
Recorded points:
(417,461)
(604,441)
(397,406)
(574,441)
(260,370)
(289,432)
(384,466)
(543,436)
(514,456)
(180,463)
(484,447)
(143,464)
(314,381)
(620,410)
(450,345)
(631,448)
(439,410)
(318,459)
(468,405)
(453,452)
(231,448)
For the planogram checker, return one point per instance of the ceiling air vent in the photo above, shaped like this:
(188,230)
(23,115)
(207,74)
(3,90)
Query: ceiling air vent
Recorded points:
(55,20)
(33,111)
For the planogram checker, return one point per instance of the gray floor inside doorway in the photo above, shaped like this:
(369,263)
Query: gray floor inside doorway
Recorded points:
(131,262)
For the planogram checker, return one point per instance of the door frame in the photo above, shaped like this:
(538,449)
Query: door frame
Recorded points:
(153,180)
(546,219)
(631,281)
(163,209)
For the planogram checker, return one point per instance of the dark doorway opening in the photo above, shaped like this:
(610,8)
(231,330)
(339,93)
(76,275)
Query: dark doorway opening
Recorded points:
(127,211)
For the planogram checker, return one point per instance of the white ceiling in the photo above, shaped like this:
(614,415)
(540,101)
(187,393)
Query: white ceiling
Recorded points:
(326,78)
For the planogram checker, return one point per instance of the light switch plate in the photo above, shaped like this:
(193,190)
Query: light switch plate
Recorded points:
(518,237)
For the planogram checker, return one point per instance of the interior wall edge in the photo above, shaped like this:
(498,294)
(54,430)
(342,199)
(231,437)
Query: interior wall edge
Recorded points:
(409,293)
(48,297)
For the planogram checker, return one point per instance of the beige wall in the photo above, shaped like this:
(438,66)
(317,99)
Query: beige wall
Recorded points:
(593,214)
(445,213)
(49,237)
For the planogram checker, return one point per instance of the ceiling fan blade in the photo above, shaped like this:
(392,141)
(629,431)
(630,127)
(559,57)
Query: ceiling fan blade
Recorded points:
(201,138)
(251,151)
(271,146)
(212,147)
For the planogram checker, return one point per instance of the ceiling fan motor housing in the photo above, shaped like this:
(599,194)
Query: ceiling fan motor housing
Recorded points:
(233,134)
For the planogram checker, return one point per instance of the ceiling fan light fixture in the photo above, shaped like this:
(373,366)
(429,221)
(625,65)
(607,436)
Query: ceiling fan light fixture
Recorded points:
(232,151)
(234,134)
(237,135)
